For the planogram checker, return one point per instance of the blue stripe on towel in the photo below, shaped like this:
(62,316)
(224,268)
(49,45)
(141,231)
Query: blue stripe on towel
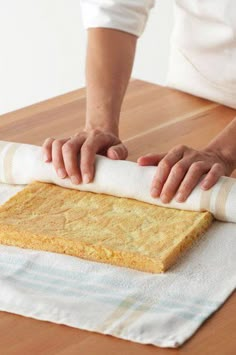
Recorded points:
(31,283)
(37,273)
(77,276)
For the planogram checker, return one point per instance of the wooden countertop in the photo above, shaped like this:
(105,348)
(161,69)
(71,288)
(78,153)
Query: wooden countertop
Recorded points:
(153,119)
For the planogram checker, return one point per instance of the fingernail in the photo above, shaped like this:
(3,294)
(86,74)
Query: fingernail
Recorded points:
(164,198)
(45,157)
(154,192)
(74,180)
(205,184)
(179,197)
(86,178)
(116,154)
(61,173)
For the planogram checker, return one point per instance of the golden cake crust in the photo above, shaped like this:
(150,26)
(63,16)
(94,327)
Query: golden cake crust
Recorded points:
(99,227)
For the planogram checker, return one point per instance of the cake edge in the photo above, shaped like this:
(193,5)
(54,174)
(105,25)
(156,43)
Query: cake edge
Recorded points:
(73,247)
(186,243)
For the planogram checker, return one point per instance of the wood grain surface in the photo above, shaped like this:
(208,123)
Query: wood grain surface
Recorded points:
(153,119)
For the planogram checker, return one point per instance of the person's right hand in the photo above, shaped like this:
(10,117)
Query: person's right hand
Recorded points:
(64,153)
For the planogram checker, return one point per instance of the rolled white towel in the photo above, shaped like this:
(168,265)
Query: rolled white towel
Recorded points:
(23,163)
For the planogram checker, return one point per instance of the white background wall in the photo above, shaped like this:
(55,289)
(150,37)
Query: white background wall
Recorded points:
(42,49)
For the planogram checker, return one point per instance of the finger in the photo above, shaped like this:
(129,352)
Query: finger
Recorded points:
(96,142)
(174,179)
(87,158)
(163,170)
(213,176)
(93,144)
(70,152)
(118,151)
(57,157)
(150,159)
(191,179)
(47,149)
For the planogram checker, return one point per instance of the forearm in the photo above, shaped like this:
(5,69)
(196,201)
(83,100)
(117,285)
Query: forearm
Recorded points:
(225,143)
(109,62)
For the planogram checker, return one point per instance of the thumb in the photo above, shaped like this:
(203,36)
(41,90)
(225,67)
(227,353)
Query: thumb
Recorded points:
(150,159)
(118,151)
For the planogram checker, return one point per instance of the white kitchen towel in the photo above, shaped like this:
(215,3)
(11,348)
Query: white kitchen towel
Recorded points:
(23,163)
(159,309)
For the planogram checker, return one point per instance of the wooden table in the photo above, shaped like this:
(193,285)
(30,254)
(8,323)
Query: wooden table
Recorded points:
(153,119)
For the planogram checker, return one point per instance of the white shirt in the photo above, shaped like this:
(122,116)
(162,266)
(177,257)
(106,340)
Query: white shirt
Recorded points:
(203,44)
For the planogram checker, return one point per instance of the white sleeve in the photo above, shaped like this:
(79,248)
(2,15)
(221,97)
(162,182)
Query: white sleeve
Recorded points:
(125,15)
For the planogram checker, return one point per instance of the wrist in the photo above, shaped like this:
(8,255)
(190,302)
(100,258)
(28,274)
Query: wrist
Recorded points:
(103,112)
(105,120)
(102,126)
(224,145)
(226,154)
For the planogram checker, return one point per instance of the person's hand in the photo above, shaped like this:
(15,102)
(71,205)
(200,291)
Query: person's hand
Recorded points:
(180,170)
(64,153)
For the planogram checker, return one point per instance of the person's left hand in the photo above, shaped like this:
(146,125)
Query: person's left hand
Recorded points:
(180,170)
